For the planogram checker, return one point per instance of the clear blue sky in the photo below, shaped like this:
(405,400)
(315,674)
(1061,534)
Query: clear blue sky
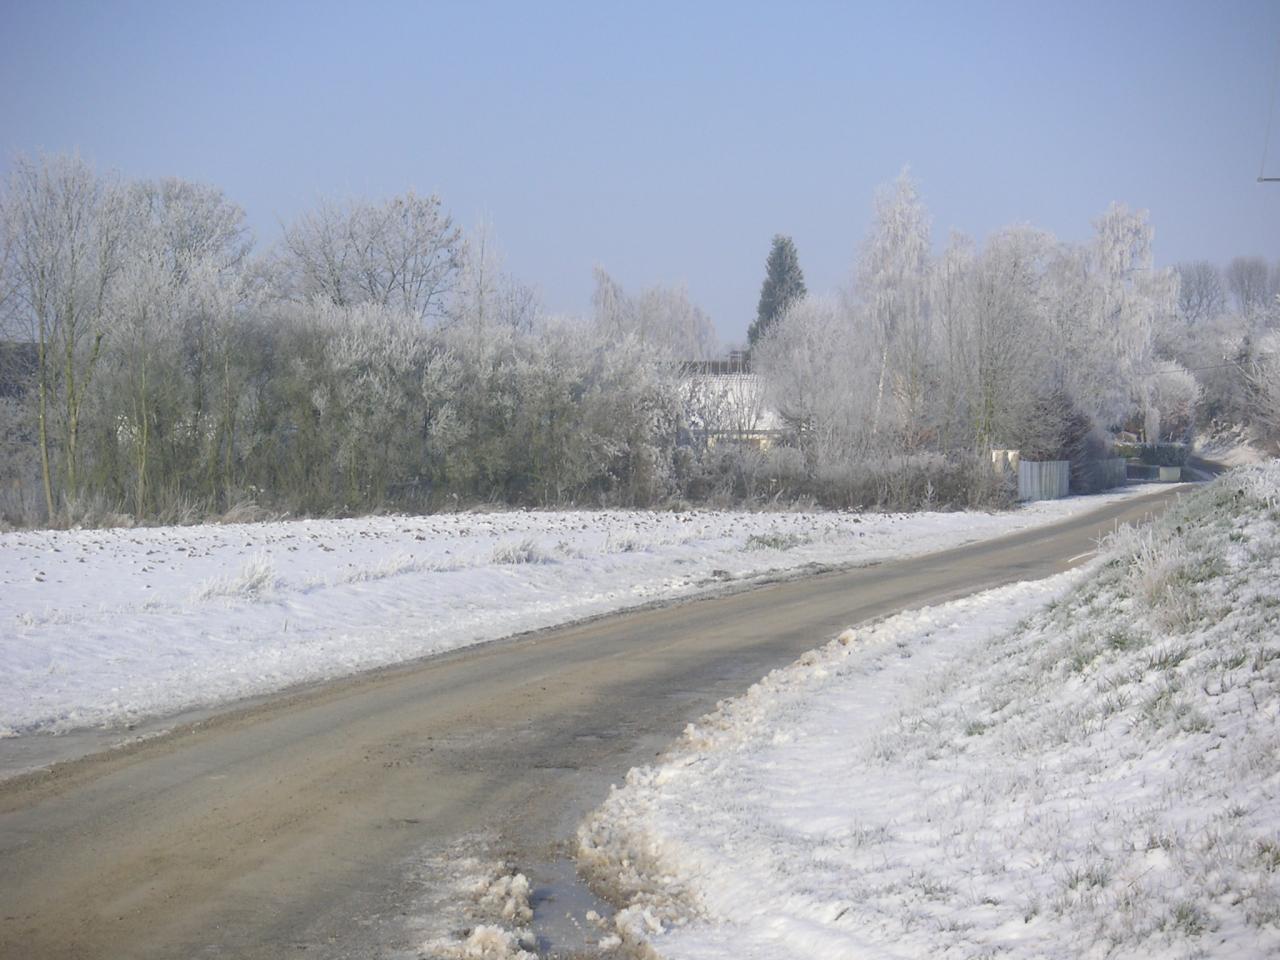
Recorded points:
(669,142)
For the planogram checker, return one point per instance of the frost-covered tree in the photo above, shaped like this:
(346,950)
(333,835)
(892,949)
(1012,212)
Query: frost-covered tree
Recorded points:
(1003,358)
(486,295)
(65,229)
(191,223)
(404,254)
(892,288)
(1201,294)
(1249,282)
(1264,382)
(1171,395)
(820,378)
(185,286)
(1106,300)
(663,318)
(950,286)
(374,360)
(783,286)
(635,419)
(158,368)
(145,315)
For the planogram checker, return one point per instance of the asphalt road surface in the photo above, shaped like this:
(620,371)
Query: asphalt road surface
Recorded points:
(282,828)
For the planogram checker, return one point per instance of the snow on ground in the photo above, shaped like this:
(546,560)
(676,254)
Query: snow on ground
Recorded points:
(1231,448)
(1087,766)
(464,902)
(102,627)
(477,909)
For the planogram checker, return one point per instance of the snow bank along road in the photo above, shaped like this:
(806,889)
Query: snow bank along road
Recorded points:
(289,824)
(1080,766)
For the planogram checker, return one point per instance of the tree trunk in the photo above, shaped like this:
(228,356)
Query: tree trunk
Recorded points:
(43,426)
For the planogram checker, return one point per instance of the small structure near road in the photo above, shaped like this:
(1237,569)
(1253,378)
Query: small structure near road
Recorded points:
(1160,462)
(1037,479)
(1054,479)
(1043,479)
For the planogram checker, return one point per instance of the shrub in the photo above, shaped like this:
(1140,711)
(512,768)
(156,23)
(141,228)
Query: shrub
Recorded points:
(1155,454)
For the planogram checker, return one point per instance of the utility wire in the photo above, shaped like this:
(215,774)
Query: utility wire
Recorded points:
(1208,366)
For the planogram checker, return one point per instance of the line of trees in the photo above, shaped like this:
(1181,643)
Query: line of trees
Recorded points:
(154,366)
(1227,330)
(1011,345)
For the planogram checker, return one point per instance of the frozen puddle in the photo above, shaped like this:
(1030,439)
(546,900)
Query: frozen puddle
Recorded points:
(568,919)
(470,902)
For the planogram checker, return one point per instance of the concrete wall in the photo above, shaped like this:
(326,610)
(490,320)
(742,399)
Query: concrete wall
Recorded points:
(1043,479)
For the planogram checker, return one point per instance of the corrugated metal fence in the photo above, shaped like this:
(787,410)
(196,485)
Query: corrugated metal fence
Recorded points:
(1043,479)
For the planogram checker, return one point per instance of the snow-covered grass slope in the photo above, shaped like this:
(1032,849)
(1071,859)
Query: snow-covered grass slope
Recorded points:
(1087,766)
(102,627)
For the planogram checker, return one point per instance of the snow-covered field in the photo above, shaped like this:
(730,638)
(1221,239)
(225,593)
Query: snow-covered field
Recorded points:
(1087,766)
(102,627)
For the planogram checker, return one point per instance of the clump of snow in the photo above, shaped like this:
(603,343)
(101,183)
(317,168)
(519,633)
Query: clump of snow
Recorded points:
(1085,766)
(473,907)
(508,895)
(485,942)
(101,627)
(503,900)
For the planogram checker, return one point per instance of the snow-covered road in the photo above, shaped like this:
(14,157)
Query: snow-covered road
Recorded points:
(289,822)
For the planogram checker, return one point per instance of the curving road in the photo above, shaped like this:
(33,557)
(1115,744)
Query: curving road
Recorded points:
(282,828)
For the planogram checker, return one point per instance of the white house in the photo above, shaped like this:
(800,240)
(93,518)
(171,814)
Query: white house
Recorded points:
(724,402)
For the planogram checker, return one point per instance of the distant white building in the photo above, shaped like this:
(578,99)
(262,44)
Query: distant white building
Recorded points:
(724,402)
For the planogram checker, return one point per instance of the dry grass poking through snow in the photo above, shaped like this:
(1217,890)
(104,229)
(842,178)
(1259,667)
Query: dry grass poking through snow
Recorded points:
(1099,780)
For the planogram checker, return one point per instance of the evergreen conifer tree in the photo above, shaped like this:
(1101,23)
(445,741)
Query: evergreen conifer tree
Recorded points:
(783,286)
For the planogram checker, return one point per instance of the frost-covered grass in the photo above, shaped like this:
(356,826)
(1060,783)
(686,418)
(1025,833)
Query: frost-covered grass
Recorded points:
(526,551)
(101,627)
(256,580)
(1087,766)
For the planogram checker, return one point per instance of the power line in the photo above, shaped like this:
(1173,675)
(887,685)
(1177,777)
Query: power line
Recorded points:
(1208,366)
